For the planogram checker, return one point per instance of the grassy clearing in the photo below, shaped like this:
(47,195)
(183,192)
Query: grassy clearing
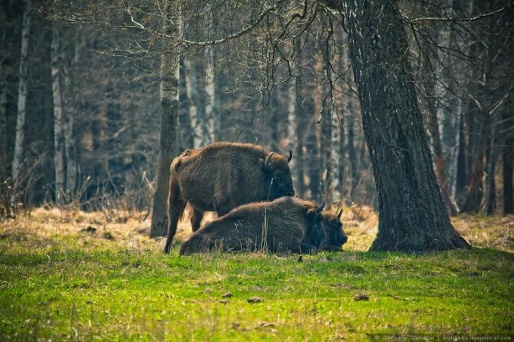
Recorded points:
(82,276)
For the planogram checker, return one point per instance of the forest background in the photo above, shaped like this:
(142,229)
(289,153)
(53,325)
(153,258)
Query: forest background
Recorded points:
(80,99)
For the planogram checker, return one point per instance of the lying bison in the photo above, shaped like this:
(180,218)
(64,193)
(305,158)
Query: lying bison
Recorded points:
(285,224)
(222,176)
(334,237)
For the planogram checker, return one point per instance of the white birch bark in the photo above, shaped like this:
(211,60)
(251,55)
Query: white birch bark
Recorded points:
(22,93)
(198,126)
(58,117)
(212,120)
(335,157)
(292,122)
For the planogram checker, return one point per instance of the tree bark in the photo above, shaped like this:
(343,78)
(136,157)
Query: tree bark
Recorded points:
(4,64)
(168,141)
(508,207)
(412,214)
(352,156)
(58,116)
(198,122)
(475,192)
(22,92)
(70,113)
(211,100)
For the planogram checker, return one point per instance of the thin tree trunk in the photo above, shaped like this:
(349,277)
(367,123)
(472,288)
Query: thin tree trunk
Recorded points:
(4,64)
(475,193)
(313,160)
(3,127)
(492,155)
(352,156)
(58,116)
(186,136)
(292,127)
(213,120)
(198,122)
(508,155)
(325,153)
(168,141)
(69,119)
(335,158)
(412,214)
(22,93)
(433,128)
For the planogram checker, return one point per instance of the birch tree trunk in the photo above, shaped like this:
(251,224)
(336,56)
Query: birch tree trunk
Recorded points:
(22,93)
(58,116)
(412,214)
(212,118)
(211,108)
(198,124)
(168,141)
(292,123)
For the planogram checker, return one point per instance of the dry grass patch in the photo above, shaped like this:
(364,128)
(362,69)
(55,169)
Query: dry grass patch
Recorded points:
(128,229)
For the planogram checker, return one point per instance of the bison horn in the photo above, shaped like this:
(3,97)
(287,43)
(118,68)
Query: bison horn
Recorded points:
(339,213)
(267,161)
(290,156)
(321,206)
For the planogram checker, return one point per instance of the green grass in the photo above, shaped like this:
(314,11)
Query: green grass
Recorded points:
(74,286)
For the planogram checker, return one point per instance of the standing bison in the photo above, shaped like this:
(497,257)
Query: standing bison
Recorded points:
(222,176)
(334,237)
(285,224)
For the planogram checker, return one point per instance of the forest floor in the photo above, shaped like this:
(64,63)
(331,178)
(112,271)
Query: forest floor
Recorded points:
(84,276)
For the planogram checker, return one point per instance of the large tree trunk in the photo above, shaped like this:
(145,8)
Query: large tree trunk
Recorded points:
(58,116)
(22,93)
(168,141)
(412,214)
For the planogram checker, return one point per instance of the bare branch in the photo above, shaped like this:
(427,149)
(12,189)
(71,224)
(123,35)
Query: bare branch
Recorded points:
(455,19)
(226,39)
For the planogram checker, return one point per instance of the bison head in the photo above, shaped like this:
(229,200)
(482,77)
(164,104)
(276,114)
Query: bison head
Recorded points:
(334,237)
(315,233)
(277,175)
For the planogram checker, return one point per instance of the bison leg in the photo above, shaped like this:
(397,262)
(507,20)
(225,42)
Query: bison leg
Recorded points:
(174,216)
(176,206)
(196,219)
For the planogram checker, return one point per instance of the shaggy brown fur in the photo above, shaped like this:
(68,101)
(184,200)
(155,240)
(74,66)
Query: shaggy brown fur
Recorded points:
(278,226)
(222,176)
